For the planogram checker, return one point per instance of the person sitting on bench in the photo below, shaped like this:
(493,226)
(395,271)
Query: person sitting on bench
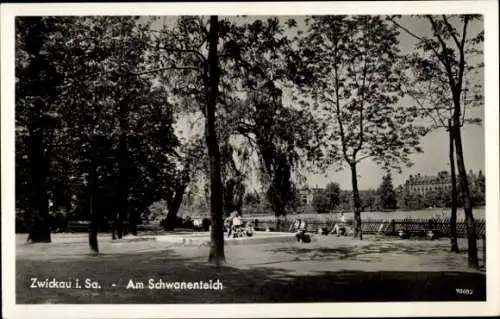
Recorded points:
(340,227)
(237,223)
(303,226)
(300,229)
(229,222)
(249,229)
(295,226)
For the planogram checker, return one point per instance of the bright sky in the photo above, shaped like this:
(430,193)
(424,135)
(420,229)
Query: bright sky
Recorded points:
(435,145)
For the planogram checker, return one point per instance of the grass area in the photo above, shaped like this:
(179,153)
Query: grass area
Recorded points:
(330,269)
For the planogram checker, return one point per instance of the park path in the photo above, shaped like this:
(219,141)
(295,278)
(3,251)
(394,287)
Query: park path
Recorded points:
(330,253)
(326,253)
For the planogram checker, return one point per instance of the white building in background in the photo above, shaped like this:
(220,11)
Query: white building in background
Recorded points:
(420,184)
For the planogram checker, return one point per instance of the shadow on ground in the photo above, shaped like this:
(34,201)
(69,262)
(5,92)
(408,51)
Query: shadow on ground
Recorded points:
(258,284)
(343,252)
(372,250)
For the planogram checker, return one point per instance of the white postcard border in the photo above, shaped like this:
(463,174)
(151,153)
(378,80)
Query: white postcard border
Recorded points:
(488,8)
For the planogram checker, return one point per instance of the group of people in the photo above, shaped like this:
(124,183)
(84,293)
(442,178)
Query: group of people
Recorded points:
(300,228)
(236,225)
(300,225)
(339,228)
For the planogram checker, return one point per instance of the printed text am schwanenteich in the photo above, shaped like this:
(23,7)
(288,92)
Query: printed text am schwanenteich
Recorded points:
(153,284)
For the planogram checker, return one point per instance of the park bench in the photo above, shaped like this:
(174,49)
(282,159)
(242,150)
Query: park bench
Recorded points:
(430,233)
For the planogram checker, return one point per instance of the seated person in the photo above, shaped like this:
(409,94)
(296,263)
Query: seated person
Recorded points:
(339,229)
(197,223)
(249,229)
(303,226)
(295,226)
(300,229)
(237,221)
(228,222)
(342,218)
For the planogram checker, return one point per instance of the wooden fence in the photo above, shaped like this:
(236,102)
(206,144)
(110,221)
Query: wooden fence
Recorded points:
(373,226)
(368,226)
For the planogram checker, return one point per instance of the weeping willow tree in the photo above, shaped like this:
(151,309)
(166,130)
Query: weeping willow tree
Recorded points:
(263,122)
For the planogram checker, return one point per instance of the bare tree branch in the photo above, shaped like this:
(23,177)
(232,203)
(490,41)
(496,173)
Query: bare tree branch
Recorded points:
(361,129)
(444,57)
(460,45)
(450,29)
(462,53)
(164,69)
(405,29)
(337,109)
(440,120)
(363,157)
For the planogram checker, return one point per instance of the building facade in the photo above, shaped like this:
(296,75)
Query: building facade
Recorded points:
(420,184)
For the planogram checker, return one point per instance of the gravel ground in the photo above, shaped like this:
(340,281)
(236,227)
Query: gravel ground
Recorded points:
(329,269)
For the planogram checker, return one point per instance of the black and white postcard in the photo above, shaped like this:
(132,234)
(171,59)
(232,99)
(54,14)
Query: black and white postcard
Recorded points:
(250,159)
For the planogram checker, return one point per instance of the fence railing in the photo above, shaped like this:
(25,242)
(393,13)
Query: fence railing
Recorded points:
(83,226)
(372,226)
(368,226)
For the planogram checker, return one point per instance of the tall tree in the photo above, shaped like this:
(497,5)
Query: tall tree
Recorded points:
(212,91)
(191,72)
(479,189)
(234,190)
(108,49)
(157,169)
(386,193)
(349,71)
(241,63)
(112,130)
(249,57)
(281,152)
(175,195)
(260,50)
(327,199)
(454,192)
(332,191)
(453,52)
(38,81)
(430,95)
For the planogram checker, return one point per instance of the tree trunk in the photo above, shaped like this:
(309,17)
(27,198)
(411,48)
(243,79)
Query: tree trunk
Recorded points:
(233,201)
(39,232)
(454,194)
(173,207)
(94,215)
(358,233)
(464,185)
(280,211)
(216,205)
(123,164)
(133,220)
(39,203)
